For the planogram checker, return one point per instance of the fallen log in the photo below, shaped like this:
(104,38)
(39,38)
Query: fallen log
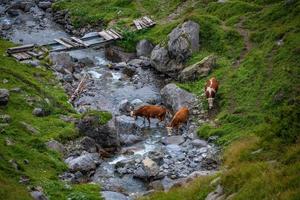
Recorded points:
(79,89)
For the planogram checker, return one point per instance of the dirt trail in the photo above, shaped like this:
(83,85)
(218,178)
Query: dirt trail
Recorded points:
(247,43)
(178,11)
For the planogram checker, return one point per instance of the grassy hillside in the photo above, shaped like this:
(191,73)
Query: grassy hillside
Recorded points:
(257,44)
(37,85)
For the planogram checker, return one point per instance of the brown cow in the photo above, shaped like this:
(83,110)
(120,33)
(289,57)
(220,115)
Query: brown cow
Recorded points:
(211,89)
(150,111)
(179,118)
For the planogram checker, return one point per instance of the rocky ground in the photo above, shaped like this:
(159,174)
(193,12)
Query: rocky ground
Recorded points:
(125,156)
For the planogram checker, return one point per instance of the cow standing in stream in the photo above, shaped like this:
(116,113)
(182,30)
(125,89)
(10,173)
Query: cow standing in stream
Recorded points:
(181,117)
(211,89)
(150,111)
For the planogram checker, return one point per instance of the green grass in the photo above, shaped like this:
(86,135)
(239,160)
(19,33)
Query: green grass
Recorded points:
(39,88)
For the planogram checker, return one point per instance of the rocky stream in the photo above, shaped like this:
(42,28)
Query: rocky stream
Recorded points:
(127,157)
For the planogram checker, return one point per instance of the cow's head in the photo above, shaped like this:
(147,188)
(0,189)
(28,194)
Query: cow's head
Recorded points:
(132,113)
(169,130)
(210,102)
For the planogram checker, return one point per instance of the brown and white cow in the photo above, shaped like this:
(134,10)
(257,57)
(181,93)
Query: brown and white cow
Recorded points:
(181,117)
(150,111)
(211,89)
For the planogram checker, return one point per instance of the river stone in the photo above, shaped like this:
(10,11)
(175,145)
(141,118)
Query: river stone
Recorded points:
(150,167)
(55,146)
(45,5)
(124,106)
(109,195)
(104,135)
(129,139)
(184,40)
(126,125)
(199,69)
(199,143)
(85,162)
(139,63)
(144,48)
(175,97)
(4,97)
(173,150)
(176,139)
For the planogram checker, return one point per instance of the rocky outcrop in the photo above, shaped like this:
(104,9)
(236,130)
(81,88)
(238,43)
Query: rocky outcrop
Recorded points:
(175,97)
(184,40)
(199,69)
(144,48)
(55,146)
(162,62)
(104,135)
(84,163)
(4,97)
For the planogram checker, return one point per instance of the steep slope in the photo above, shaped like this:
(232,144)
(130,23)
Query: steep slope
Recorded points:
(25,161)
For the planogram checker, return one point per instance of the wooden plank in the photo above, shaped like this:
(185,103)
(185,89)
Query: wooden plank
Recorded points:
(115,32)
(112,34)
(21,56)
(20,48)
(68,41)
(137,24)
(105,35)
(143,24)
(63,43)
(149,20)
(35,54)
(79,41)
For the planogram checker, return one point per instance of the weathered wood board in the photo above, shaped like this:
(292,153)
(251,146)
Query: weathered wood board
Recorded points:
(68,46)
(20,48)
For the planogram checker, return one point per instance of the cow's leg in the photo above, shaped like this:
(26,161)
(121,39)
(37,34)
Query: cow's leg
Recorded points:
(148,118)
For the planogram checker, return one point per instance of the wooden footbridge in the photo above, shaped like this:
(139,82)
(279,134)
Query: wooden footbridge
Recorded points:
(93,39)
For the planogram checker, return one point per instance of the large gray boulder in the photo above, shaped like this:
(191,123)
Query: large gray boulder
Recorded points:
(162,62)
(199,69)
(104,134)
(175,97)
(84,163)
(4,97)
(144,48)
(184,40)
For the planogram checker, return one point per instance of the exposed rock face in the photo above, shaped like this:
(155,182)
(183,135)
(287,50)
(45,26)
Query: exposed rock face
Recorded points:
(184,40)
(55,146)
(175,97)
(104,135)
(162,62)
(4,97)
(84,163)
(144,48)
(199,69)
